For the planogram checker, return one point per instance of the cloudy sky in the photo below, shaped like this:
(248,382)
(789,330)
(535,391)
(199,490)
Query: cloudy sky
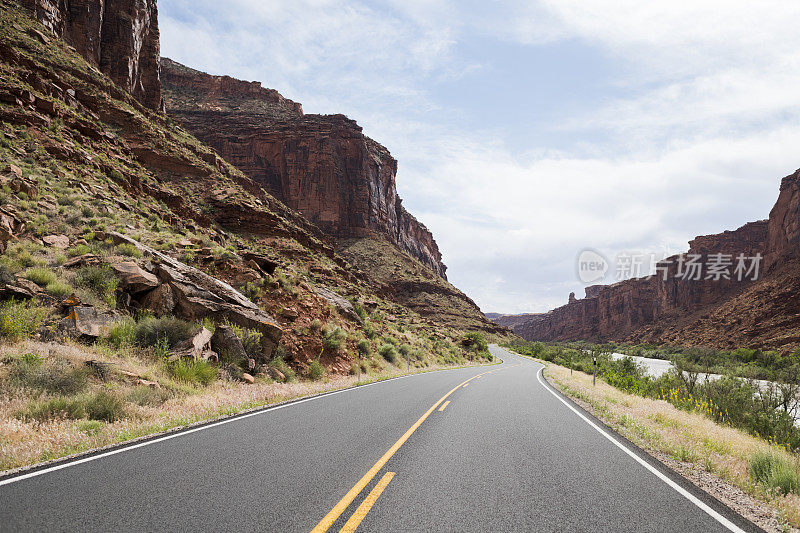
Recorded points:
(529,131)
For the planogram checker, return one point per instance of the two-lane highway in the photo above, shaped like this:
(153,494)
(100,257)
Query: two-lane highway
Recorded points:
(476,449)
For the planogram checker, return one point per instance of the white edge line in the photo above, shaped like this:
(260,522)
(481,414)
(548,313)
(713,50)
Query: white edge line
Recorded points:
(660,475)
(181,433)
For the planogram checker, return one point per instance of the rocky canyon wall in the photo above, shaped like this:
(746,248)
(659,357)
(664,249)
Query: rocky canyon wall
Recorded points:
(120,37)
(320,165)
(669,307)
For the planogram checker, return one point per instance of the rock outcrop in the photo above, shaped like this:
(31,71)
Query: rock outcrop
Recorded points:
(120,37)
(723,313)
(320,165)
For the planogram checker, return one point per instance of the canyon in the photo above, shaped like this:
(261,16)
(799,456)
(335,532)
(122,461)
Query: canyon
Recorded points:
(670,308)
(120,37)
(320,165)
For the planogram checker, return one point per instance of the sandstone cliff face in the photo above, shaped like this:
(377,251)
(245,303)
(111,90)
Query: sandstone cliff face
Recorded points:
(669,308)
(320,165)
(120,37)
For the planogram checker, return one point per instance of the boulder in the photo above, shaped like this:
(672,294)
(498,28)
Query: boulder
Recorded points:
(339,303)
(82,260)
(28,186)
(87,321)
(195,347)
(290,314)
(264,263)
(133,279)
(247,378)
(198,295)
(276,374)
(56,241)
(159,301)
(227,344)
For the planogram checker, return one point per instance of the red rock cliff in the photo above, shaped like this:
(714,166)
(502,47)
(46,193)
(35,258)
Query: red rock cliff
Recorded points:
(320,165)
(630,308)
(120,37)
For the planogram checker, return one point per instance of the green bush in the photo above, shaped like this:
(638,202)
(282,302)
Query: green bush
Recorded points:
(774,471)
(280,365)
(129,250)
(123,333)
(475,341)
(191,371)
(316,371)
(20,319)
(79,249)
(99,279)
(364,347)
(151,330)
(58,289)
(332,338)
(105,406)
(369,331)
(40,275)
(388,352)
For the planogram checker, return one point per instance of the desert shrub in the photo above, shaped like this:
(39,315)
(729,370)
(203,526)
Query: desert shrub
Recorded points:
(58,289)
(388,352)
(128,249)
(251,339)
(406,350)
(105,406)
(20,319)
(279,364)
(316,371)
(391,340)
(369,331)
(253,291)
(147,396)
(58,378)
(775,471)
(315,325)
(78,249)
(475,340)
(360,311)
(150,330)
(51,409)
(40,276)
(123,333)
(99,279)
(364,347)
(191,371)
(333,337)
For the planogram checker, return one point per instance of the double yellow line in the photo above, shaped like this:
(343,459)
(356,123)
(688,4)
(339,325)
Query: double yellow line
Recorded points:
(351,495)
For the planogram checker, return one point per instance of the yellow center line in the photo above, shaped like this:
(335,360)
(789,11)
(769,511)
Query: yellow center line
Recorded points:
(444,405)
(464,385)
(340,507)
(367,504)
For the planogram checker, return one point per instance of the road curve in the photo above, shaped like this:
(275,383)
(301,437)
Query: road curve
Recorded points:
(474,449)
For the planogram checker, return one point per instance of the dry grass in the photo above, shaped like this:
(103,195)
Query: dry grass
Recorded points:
(24,442)
(689,441)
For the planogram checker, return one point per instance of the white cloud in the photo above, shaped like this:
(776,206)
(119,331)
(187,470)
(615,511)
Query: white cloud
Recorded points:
(704,121)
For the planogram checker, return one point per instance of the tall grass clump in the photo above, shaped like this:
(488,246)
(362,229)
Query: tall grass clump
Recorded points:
(775,472)
(40,275)
(193,372)
(58,378)
(20,319)
(99,279)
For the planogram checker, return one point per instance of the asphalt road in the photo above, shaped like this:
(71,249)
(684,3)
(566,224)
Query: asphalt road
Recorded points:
(505,454)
